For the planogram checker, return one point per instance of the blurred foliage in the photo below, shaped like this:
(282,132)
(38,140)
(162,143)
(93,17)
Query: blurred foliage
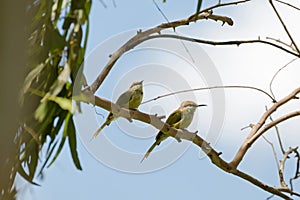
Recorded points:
(57,39)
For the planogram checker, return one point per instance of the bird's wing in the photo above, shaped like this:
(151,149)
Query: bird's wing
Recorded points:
(123,100)
(174,119)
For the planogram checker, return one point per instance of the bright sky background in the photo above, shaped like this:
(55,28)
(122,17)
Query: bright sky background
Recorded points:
(189,177)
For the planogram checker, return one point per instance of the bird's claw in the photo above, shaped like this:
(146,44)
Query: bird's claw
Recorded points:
(178,139)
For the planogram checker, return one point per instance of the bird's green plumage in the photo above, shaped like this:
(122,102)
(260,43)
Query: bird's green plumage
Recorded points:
(131,99)
(180,118)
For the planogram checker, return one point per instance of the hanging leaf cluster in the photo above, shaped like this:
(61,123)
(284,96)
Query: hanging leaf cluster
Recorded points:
(57,40)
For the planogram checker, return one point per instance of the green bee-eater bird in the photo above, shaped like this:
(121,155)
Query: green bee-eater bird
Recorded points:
(130,99)
(180,118)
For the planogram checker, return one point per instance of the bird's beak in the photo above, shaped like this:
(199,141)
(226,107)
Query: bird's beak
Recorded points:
(201,105)
(141,81)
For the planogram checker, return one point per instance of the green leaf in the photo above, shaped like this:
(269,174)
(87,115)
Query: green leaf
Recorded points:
(32,75)
(59,82)
(56,11)
(64,103)
(63,139)
(48,157)
(73,144)
(41,112)
(33,160)
(25,175)
(58,125)
(54,40)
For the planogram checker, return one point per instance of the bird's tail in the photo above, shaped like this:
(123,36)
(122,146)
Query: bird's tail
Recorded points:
(109,119)
(150,150)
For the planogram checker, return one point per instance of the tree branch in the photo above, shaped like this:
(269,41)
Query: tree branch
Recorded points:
(142,36)
(288,4)
(218,5)
(274,123)
(272,80)
(215,43)
(273,150)
(210,88)
(297,171)
(284,26)
(281,42)
(281,168)
(278,137)
(256,133)
(155,121)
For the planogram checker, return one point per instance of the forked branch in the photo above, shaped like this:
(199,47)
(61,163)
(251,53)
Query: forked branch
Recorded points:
(142,36)
(258,128)
(212,154)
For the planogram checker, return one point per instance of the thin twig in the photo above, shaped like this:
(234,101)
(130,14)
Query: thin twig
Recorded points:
(215,43)
(277,133)
(212,154)
(284,186)
(161,12)
(258,130)
(218,5)
(281,42)
(143,36)
(167,20)
(288,4)
(103,3)
(284,26)
(271,82)
(273,149)
(209,88)
(278,136)
(114,3)
(297,172)
(272,124)
(281,168)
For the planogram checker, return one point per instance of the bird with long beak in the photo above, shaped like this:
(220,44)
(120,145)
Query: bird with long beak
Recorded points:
(179,119)
(131,99)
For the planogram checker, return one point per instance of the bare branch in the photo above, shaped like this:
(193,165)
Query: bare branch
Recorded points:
(167,20)
(210,88)
(103,3)
(210,15)
(284,26)
(232,42)
(281,168)
(212,154)
(277,133)
(256,131)
(274,123)
(144,35)
(278,136)
(297,172)
(287,190)
(281,42)
(287,64)
(218,5)
(288,4)
(161,12)
(273,149)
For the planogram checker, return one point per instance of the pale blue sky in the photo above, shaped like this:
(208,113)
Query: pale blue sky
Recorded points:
(189,177)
